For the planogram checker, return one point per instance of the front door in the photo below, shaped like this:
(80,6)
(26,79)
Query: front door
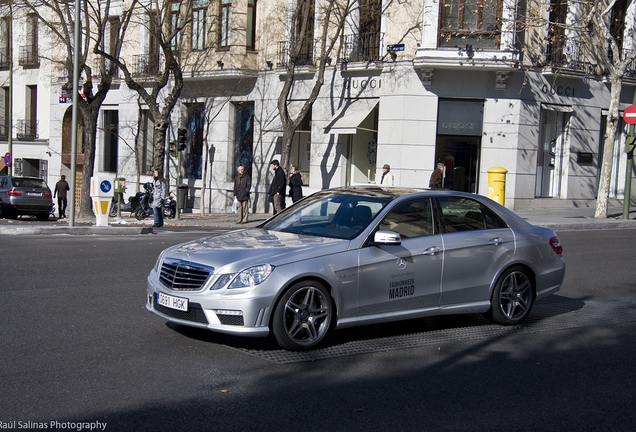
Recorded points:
(405,277)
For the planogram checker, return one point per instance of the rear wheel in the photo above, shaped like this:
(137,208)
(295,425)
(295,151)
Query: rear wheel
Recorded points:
(42,216)
(140,214)
(513,297)
(302,316)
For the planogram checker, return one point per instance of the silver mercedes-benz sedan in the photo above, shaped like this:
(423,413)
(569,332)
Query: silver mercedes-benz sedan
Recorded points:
(359,255)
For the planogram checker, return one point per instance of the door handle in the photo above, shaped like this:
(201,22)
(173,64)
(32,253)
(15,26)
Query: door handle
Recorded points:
(432,251)
(496,241)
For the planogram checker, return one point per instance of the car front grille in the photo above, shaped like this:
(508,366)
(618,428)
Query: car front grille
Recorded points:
(183,275)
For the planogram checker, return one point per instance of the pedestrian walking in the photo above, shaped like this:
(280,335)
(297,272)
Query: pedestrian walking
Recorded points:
(295,184)
(277,188)
(387,177)
(158,196)
(242,186)
(435,182)
(61,188)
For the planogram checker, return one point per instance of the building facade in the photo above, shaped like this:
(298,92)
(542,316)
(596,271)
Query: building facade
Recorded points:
(409,84)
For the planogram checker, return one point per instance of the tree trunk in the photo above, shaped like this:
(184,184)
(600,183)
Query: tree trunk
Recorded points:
(608,150)
(90,137)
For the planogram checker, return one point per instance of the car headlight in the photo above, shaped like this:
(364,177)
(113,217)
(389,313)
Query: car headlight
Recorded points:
(252,276)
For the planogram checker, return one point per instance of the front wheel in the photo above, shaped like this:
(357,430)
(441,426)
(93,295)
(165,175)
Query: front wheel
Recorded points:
(513,297)
(302,316)
(140,214)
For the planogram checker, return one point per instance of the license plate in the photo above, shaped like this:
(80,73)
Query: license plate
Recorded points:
(34,193)
(172,302)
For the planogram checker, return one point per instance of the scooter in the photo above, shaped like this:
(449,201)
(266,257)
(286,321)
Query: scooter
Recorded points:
(130,206)
(144,210)
(170,206)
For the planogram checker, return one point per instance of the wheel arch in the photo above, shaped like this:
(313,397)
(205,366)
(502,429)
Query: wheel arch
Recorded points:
(316,278)
(522,265)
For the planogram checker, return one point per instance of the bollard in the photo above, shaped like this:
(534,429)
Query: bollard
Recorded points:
(497,184)
(101,193)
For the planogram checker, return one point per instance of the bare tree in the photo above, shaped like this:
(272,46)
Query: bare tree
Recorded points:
(58,18)
(615,60)
(592,31)
(158,85)
(333,15)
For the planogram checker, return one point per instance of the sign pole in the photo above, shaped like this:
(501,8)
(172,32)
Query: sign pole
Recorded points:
(629,148)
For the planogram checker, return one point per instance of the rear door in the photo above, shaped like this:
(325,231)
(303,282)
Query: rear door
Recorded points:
(476,244)
(404,277)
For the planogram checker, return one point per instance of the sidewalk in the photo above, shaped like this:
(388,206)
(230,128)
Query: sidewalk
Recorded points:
(557,219)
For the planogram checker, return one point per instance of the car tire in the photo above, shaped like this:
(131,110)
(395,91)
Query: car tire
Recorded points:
(42,216)
(513,297)
(302,316)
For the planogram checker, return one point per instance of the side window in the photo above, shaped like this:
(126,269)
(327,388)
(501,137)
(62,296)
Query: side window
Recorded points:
(410,219)
(465,214)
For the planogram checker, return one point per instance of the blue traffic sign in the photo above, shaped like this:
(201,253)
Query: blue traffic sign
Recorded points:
(7,159)
(105,186)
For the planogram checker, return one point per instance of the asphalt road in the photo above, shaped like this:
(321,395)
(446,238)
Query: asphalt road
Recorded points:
(78,346)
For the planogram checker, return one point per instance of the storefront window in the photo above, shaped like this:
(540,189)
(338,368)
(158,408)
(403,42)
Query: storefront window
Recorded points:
(244,136)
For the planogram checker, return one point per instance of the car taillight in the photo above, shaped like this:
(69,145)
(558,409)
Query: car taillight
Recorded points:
(48,194)
(556,245)
(14,192)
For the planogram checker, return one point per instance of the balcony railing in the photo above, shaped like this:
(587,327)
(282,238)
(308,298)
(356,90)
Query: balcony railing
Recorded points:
(305,57)
(569,57)
(26,129)
(145,64)
(4,58)
(29,56)
(363,47)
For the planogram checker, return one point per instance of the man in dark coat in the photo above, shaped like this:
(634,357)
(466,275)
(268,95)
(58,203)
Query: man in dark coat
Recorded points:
(242,186)
(295,184)
(60,190)
(277,188)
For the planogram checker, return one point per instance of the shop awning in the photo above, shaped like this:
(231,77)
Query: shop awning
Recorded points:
(348,119)
(558,108)
(274,124)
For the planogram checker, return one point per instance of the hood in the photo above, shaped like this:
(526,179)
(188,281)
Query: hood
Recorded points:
(237,250)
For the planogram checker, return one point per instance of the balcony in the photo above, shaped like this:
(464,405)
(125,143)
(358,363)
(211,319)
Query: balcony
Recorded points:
(363,47)
(306,56)
(26,130)
(569,58)
(145,64)
(29,57)
(4,58)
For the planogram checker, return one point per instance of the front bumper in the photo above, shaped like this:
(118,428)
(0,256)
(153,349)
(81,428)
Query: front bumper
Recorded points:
(244,314)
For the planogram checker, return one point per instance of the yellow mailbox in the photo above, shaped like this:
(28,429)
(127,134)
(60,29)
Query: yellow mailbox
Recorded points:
(497,184)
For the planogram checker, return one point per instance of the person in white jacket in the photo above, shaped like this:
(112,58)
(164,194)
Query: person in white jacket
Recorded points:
(387,178)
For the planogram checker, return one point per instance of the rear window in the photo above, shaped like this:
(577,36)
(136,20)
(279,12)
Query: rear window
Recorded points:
(29,183)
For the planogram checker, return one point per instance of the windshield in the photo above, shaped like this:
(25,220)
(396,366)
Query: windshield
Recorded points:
(330,214)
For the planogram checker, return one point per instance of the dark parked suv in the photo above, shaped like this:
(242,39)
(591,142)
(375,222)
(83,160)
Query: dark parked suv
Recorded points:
(25,196)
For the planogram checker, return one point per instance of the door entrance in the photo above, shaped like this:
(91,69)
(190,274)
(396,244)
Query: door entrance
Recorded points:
(460,156)
(550,153)
(458,142)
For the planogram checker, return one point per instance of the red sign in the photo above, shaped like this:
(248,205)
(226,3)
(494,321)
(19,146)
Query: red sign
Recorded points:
(7,159)
(629,115)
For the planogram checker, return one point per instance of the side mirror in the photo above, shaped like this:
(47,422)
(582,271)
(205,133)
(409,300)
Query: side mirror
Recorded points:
(387,238)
